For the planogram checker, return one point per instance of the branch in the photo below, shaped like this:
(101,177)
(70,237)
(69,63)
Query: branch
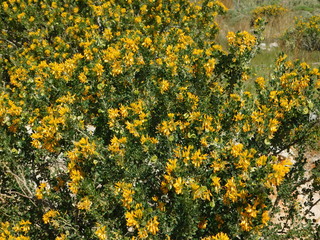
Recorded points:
(3,196)
(9,42)
(20,194)
(23,186)
(299,140)
(314,204)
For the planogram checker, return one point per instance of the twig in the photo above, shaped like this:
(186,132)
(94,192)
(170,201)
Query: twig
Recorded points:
(3,196)
(314,204)
(9,42)
(299,140)
(278,198)
(82,133)
(23,186)
(20,194)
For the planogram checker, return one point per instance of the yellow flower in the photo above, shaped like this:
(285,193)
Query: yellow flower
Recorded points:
(158,19)
(251,211)
(68,98)
(5,6)
(127,193)
(117,144)
(236,149)
(40,189)
(111,54)
(209,66)
(218,165)
(84,204)
(241,41)
(143,9)
(138,19)
(86,147)
(25,225)
(54,5)
(273,125)
(99,69)
(222,236)
(219,236)
(22,238)
(178,185)
(171,165)
(116,68)
(207,123)
(152,225)
(107,34)
(265,218)
(61,237)
(203,224)
(231,191)
(142,233)
(261,82)
(167,127)
(245,224)
(197,158)
(20,16)
(101,232)
(73,187)
(261,161)
(98,10)
(279,171)
(238,117)
(197,51)
(22,226)
(47,217)
(139,211)
(164,86)
(201,192)
(129,59)
(216,183)
(113,113)
(75,175)
(130,219)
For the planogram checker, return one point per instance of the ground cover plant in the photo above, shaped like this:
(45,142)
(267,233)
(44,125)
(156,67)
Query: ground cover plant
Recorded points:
(126,120)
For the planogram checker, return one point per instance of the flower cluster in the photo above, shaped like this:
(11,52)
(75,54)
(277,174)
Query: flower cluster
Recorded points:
(17,231)
(242,41)
(268,11)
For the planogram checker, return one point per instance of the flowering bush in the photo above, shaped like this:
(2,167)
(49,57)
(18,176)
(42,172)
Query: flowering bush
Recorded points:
(305,34)
(125,120)
(268,12)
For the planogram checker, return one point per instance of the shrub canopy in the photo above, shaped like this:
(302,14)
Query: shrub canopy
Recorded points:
(126,120)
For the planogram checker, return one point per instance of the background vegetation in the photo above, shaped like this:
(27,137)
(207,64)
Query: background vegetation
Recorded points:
(239,17)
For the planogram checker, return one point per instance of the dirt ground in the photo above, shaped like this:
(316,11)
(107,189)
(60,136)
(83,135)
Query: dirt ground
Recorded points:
(312,157)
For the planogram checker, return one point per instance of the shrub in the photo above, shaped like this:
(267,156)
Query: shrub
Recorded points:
(305,34)
(268,12)
(125,120)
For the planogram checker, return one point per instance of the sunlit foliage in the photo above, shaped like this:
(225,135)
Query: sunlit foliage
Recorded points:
(126,120)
